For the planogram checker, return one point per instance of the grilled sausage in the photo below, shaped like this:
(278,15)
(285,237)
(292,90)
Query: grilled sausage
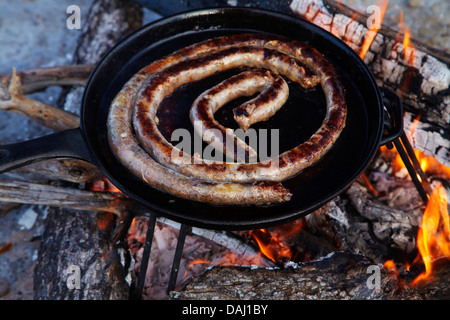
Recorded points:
(126,148)
(147,89)
(288,163)
(274,92)
(265,105)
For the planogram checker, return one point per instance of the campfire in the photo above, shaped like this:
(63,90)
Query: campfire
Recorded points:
(393,219)
(308,239)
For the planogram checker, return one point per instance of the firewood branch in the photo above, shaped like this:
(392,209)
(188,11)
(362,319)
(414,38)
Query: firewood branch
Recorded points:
(40,194)
(64,169)
(38,79)
(13,100)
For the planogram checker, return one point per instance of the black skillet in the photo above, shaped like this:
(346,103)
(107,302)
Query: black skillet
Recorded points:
(297,120)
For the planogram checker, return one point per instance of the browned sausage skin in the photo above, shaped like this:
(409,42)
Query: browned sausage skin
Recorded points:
(126,148)
(265,105)
(134,108)
(274,92)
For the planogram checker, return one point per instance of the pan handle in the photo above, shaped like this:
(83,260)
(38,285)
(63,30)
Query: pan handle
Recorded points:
(68,143)
(393,117)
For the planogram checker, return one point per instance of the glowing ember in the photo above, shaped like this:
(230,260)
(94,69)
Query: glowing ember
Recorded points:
(433,239)
(370,36)
(390,265)
(229,259)
(136,236)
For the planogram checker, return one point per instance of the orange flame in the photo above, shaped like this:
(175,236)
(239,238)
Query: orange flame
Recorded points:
(370,36)
(433,239)
(409,51)
(428,164)
(271,246)
(406,42)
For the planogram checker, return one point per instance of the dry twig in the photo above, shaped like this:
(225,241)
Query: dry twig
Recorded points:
(38,79)
(13,100)
(33,193)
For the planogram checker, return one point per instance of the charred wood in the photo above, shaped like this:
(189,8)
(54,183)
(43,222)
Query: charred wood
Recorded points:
(75,260)
(340,276)
(380,231)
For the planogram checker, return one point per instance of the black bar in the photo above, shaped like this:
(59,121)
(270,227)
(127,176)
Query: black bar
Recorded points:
(411,170)
(409,149)
(177,257)
(145,256)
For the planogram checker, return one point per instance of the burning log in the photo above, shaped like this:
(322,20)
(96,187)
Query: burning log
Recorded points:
(227,240)
(338,276)
(379,231)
